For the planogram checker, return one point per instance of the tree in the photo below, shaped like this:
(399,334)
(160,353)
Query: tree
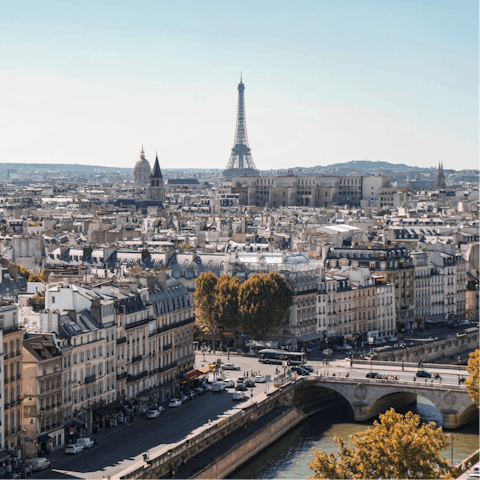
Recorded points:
(205,304)
(263,302)
(226,298)
(397,446)
(472,382)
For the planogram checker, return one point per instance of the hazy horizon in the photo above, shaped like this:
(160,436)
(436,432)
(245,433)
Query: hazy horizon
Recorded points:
(326,82)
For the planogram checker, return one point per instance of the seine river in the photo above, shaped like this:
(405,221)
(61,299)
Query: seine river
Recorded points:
(289,457)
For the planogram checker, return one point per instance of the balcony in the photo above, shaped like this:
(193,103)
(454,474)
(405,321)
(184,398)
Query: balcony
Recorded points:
(167,347)
(167,367)
(121,376)
(139,323)
(165,328)
(136,359)
(121,340)
(134,378)
(90,378)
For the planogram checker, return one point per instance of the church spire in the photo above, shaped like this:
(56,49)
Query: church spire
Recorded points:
(156,172)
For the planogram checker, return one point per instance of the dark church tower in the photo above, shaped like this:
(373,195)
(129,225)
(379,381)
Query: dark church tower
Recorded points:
(440,177)
(156,190)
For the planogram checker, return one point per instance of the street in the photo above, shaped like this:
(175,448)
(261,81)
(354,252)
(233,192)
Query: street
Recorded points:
(119,447)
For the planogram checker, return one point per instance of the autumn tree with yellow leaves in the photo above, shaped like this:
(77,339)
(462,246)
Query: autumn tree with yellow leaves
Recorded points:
(472,381)
(398,446)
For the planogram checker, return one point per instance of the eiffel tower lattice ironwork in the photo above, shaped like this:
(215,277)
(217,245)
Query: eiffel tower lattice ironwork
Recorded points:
(241,159)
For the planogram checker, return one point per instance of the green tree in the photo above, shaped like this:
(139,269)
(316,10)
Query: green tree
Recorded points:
(472,381)
(226,298)
(206,312)
(397,446)
(263,302)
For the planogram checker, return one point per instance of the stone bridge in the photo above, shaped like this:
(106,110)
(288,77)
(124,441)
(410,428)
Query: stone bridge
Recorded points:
(370,397)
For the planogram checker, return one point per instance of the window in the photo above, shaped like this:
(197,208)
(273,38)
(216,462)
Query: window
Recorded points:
(53,299)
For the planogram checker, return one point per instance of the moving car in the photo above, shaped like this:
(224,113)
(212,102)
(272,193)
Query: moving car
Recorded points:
(74,448)
(249,382)
(229,383)
(218,386)
(238,396)
(85,442)
(241,387)
(372,374)
(423,373)
(230,366)
(153,414)
(241,379)
(174,402)
(308,367)
(259,379)
(39,463)
(300,371)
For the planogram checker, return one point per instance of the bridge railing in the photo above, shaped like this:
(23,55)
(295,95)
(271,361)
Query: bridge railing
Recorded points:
(382,381)
(436,366)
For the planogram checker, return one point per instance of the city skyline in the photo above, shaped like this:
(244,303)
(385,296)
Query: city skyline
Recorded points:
(325,84)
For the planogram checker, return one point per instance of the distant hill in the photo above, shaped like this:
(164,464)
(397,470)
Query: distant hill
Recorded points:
(369,166)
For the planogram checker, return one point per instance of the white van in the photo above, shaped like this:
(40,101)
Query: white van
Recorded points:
(218,386)
(39,463)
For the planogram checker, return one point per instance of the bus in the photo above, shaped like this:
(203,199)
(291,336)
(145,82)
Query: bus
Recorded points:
(279,356)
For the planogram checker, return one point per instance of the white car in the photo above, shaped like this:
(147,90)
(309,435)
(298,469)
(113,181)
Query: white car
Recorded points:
(153,414)
(260,379)
(230,366)
(174,402)
(85,442)
(74,448)
(229,383)
(238,395)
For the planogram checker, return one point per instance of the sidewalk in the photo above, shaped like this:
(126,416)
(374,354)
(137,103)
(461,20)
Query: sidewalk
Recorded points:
(207,456)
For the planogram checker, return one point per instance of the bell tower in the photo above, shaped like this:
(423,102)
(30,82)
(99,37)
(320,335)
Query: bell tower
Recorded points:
(156,190)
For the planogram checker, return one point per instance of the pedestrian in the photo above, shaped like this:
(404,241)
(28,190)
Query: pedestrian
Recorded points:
(414,378)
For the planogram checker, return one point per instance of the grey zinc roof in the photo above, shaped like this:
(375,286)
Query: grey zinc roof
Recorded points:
(173,298)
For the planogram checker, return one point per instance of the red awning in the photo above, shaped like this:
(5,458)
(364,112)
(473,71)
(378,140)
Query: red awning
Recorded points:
(192,374)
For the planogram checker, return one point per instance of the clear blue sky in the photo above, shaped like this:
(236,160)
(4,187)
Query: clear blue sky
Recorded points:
(326,81)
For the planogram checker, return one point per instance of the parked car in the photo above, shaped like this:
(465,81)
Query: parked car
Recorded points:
(184,398)
(238,396)
(229,383)
(392,339)
(174,402)
(423,373)
(308,367)
(230,366)
(153,414)
(85,442)
(200,390)
(372,374)
(241,387)
(192,394)
(39,463)
(259,379)
(74,448)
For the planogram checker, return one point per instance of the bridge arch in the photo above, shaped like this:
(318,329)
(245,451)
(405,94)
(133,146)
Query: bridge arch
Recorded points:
(368,399)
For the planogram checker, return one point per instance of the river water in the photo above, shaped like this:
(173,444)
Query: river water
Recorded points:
(289,456)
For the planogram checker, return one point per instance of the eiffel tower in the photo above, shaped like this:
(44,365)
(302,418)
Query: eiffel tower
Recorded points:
(241,161)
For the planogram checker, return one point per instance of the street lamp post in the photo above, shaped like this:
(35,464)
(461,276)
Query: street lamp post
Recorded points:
(251,395)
